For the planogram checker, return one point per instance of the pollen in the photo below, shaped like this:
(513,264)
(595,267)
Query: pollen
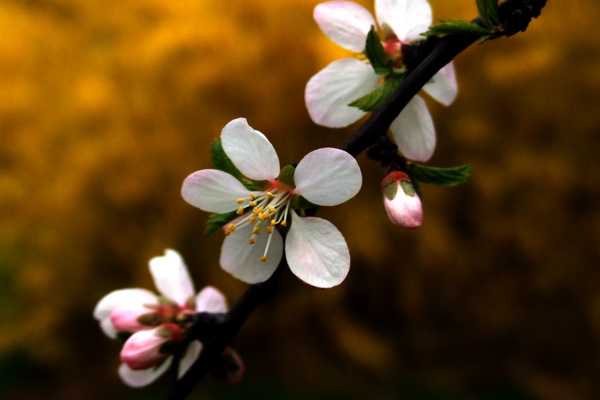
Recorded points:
(251,241)
(263,259)
(240,200)
(256,230)
(253,196)
(252,203)
(272,209)
(269,229)
(284,223)
(269,194)
(231,227)
(240,211)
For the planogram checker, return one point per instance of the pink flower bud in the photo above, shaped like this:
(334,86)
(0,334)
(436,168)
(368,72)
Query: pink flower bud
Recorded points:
(133,318)
(146,349)
(402,204)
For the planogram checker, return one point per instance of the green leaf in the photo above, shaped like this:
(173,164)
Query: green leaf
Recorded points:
(216,221)
(375,99)
(456,27)
(488,11)
(286,176)
(440,176)
(222,162)
(376,54)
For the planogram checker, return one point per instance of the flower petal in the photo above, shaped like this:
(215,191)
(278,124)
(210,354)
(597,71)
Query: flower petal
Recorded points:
(143,377)
(211,300)
(213,191)
(328,177)
(191,355)
(317,252)
(242,260)
(329,92)
(413,131)
(443,86)
(171,277)
(118,298)
(407,18)
(345,23)
(249,150)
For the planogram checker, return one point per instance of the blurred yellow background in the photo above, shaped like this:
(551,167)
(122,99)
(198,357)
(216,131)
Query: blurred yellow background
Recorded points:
(106,106)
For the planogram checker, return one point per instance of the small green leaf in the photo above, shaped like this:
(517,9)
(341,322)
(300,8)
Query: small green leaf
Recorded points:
(488,11)
(456,27)
(286,176)
(376,54)
(216,221)
(375,99)
(440,176)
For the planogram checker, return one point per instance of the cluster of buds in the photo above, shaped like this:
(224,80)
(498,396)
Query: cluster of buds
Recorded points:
(155,327)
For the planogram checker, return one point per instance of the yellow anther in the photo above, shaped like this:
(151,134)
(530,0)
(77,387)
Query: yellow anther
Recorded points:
(252,203)
(272,209)
(258,210)
(284,223)
(252,219)
(253,196)
(263,259)
(264,216)
(227,232)
(269,229)
(256,230)
(251,241)
(240,200)
(231,227)
(240,211)
(273,222)
(269,194)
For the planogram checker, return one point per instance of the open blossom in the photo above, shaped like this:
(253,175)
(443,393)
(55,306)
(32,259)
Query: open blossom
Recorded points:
(329,92)
(315,250)
(156,322)
(402,203)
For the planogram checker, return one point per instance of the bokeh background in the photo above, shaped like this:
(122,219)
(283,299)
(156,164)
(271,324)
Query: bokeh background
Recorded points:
(106,106)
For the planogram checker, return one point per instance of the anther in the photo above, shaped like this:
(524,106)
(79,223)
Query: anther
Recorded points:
(263,259)
(253,196)
(256,230)
(269,194)
(251,241)
(252,203)
(284,223)
(240,211)
(252,219)
(269,229)
(272,209)
(273,222)
(231,227)
(240,200)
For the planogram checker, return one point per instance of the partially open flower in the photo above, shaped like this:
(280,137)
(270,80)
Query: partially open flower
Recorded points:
(156,321)
(147,349)
(401,201)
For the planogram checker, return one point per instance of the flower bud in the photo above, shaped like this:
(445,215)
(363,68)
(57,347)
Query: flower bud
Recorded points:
(146,349)
(401,201)
(134,318)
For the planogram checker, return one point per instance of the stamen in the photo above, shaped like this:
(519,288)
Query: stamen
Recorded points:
(273,222)
(240,200)
(269,229)
(252,219)
(252,203)
(256,230)
(269,194)
(231,227)
(263,259)
(272,209)
(251,241)
(284,223)
(240,211)
(253,196)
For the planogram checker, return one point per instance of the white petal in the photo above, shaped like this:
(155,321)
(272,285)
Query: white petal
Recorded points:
(413,131)
(329,92)
(171,277)
(211,300)
(407,18)
(143,377)
(191,355)
(123,297)
(345,23)
(443,86)
(328,177)
(242,260)
(213,191)
(249,150)
(317,252)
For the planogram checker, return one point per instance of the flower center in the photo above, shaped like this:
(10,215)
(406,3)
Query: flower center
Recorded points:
(264,211)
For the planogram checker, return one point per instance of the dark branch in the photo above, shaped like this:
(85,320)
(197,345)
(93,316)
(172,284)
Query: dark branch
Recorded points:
(425,61)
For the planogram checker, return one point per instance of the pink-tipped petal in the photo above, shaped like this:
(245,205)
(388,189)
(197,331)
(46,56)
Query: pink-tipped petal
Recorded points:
(120,298)
(414,132)
(328,177)
(242,260)
(171,277)
(443,86)
(250,150)
(329,92)
(191,355)
(407,18)
(211,300)
(317,252)
(142,350)
(345,23)
(143,377)
(213,191)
